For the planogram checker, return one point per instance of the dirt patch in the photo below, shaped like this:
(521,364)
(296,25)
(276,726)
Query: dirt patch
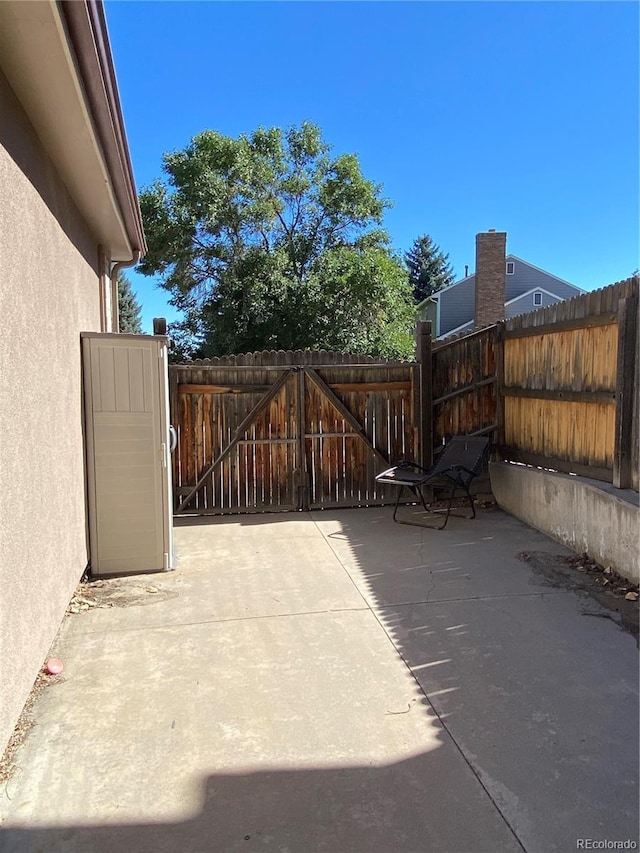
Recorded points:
(480,500)
(117,592)
(26,722)
(89,594)
(579,572)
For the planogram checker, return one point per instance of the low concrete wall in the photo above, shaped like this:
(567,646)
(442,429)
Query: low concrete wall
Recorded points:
(586,516)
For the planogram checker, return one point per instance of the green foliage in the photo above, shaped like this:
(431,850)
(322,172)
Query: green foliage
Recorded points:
(429,268)
(129,309)
(268,242)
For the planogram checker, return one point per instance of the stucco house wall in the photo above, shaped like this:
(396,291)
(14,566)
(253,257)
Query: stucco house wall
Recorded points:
(49,293)
(69,220)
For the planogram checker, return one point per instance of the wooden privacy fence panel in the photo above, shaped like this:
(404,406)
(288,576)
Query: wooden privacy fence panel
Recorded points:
(568,392)
(559,390)
(261,432)
(558,387)
(464,385)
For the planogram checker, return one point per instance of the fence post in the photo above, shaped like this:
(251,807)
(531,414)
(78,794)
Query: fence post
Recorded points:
(625,377)
(500,439)
(423,357)
(302,476)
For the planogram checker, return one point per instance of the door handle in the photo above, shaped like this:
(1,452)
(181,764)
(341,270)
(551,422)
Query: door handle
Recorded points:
(173,438)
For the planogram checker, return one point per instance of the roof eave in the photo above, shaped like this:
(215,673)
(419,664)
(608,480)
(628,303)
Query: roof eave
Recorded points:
(57,59)
(88,33)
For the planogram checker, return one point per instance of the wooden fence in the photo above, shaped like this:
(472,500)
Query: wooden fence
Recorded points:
(289,430)
(570,386)
(464,383)
(557,388)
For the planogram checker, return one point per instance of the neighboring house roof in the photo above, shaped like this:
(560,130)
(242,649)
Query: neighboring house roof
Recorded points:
(456,302)
(57,58)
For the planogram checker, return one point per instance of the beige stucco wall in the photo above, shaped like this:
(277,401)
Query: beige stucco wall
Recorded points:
(49,293)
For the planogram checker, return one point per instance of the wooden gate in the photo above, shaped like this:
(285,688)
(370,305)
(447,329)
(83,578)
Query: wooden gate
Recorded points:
(287,431)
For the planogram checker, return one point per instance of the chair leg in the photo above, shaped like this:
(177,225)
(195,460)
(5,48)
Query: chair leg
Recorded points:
(417,491)
(471,503)
(395,509)
(451,497)
(470,499)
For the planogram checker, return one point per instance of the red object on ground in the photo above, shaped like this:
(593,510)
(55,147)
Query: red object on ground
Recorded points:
(54,666)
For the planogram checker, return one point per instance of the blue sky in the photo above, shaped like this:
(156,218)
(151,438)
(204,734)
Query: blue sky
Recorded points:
(520,116)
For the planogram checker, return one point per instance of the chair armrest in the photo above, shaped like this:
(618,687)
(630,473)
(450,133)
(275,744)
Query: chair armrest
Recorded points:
(463,468)
(407,464)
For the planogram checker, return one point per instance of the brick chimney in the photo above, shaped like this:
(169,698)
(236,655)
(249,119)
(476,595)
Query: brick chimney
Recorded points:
(491,247)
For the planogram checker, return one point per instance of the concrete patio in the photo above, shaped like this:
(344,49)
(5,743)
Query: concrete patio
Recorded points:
(335,682)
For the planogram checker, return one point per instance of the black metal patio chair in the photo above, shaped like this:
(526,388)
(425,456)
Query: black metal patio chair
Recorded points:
(457,464)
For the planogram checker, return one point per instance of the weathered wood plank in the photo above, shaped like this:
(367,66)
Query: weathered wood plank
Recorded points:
(491,380)
(367,387)
(265,401)
(203,388)
(424,359)
(625,391)
(342,409)
(552,328)
(601,397)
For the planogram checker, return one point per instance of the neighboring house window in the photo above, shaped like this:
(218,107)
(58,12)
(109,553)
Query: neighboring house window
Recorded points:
(511,267)
(537,299)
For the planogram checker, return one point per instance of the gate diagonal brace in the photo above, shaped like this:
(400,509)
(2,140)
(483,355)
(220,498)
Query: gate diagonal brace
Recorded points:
(242,428)
(346,414)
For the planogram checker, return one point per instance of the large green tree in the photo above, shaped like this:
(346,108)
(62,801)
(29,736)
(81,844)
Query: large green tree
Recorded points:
(129,310)
(429,268)
(268,241)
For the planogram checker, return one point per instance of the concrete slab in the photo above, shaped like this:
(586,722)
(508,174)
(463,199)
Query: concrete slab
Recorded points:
(289,733)
(235,568)
(335,682)
(394,564)
(541,696)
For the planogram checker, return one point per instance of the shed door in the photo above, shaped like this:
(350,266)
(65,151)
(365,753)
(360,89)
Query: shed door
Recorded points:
(129,486)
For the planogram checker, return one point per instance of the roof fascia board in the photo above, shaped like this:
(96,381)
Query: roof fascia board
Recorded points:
(522,261)
(535,290)
(455,284)
(39,60)
(457,329)
(88,33)
(425,300)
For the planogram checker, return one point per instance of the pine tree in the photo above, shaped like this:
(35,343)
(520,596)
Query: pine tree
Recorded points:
(129,309)
(429,268)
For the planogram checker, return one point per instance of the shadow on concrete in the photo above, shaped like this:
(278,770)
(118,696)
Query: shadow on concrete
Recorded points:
(536,705)
(343,810)
(533,679)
